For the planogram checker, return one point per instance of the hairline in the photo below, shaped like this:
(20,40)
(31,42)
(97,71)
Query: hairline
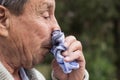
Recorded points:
(15,7)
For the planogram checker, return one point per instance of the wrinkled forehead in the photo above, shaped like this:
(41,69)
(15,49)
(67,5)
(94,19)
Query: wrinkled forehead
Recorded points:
(39,3)
(50,2)
(38,6)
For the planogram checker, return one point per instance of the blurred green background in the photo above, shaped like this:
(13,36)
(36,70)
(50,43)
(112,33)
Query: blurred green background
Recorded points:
(96,23)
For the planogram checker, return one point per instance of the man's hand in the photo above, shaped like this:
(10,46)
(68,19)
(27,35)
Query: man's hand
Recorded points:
(74,52)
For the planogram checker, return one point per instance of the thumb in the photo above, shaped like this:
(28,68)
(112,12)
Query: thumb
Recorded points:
(58,72)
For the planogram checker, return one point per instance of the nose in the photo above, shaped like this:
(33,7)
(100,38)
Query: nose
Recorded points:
(55,26)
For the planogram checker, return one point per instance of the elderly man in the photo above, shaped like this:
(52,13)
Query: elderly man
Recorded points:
(25,38)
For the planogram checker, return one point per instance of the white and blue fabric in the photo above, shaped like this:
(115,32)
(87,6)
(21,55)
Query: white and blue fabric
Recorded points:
(58,48)
(23,74)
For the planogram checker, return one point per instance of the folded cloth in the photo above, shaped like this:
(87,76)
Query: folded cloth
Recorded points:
(58,48)
(23,74)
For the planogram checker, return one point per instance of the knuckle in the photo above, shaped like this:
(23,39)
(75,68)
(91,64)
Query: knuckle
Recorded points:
(78,53)
(79,44)
(72,37)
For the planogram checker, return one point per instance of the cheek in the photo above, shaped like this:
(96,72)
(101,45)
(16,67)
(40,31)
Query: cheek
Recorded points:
(31,36)
(41,29)
(28,42)
(35,40)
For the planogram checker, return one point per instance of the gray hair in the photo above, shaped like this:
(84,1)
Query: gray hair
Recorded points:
(14,6)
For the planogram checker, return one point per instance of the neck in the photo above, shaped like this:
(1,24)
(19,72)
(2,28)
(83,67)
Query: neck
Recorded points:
(13,71)
(11,68)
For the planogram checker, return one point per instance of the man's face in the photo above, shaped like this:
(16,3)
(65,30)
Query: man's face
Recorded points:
(32,30)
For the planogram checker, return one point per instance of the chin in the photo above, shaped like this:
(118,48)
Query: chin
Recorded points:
(39,56)
(38,59)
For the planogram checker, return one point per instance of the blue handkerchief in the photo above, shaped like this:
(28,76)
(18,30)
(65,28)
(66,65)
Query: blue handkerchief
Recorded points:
(23,74)
(58,48)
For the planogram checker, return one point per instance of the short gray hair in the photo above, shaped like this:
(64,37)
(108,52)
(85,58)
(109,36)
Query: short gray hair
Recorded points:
(14,6)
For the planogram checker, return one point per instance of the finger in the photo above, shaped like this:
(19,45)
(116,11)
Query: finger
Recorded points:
(69,40)
(65,53)
(75,46)
(77,55)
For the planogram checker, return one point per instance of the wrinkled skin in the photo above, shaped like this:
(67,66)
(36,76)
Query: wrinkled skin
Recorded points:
(27,39)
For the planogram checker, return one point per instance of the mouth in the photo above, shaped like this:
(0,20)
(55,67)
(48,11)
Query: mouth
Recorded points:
(48,47)
(47,44)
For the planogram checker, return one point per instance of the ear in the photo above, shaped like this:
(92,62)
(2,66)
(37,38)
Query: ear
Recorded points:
(4,21)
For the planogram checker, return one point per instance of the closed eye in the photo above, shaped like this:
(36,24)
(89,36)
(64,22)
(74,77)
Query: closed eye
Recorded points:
(46,15)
